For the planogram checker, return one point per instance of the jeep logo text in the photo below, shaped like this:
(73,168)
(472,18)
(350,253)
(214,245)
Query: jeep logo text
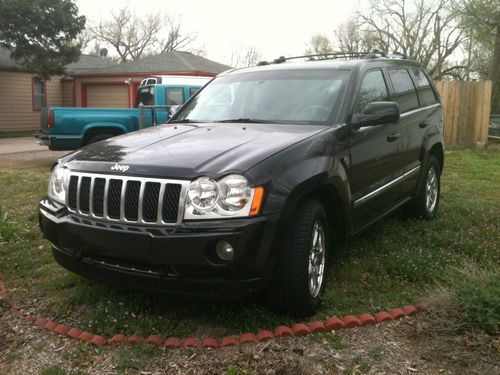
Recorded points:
(121,168)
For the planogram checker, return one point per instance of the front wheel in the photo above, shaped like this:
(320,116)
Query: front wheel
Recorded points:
(426,203)
(301,270)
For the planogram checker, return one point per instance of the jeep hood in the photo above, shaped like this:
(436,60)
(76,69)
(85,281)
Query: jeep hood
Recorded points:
(185,151)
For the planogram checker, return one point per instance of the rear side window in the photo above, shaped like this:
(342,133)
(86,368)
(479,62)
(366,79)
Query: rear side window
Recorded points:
(193,90)
(425,91)
(372,89)
(146,96)
(175,96)
(405,92)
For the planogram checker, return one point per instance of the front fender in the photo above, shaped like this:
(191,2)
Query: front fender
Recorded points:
(299,171)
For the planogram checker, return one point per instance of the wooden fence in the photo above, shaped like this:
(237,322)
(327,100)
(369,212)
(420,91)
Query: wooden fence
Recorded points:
(466,111)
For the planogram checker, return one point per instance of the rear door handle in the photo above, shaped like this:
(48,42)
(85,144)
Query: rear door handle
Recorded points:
(423,125)
(393,137)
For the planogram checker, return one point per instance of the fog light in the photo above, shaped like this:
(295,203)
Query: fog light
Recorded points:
(224,250)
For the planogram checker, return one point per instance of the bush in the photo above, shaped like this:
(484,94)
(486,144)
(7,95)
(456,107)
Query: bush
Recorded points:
(479,302)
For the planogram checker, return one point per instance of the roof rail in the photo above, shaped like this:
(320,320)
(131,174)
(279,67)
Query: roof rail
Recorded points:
(337,55)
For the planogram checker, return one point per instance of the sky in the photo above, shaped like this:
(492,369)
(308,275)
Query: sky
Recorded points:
(275,27)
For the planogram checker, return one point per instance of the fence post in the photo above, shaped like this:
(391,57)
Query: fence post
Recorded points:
(141,116)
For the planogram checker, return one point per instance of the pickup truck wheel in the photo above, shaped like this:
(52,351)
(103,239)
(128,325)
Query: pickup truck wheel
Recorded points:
(426,203)
(99,137)
(300,274)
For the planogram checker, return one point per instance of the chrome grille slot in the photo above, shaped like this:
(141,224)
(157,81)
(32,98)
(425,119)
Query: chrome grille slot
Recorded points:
(130,200)
(98,196)
(169,206)
(114,197)
(85,195)
(73,185)
(150,202)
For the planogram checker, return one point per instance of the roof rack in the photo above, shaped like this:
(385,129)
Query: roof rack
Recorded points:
(337,55)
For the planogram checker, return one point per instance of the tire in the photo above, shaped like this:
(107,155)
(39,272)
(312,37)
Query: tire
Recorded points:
(426,203)
(99,137)
(291,291)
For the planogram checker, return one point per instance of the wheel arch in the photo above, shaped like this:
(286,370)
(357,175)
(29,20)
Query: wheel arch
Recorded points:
(96,129)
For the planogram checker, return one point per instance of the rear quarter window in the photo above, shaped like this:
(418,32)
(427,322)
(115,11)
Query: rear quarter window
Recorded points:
(424,87)
(405,92)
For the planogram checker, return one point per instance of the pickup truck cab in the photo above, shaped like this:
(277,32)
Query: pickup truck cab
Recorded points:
(69,128)
(252,183)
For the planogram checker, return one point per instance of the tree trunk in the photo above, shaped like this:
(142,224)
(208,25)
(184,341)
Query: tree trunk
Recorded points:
(494,74)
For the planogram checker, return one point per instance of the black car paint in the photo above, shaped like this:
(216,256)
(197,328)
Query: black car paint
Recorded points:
(290,161)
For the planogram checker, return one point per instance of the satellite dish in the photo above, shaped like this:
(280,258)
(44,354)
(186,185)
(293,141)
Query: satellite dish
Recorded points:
(103,52)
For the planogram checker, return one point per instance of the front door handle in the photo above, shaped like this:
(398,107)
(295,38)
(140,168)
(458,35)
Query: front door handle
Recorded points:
(393,137)
(423,125)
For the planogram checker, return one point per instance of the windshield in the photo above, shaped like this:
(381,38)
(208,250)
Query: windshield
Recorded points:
(303,96)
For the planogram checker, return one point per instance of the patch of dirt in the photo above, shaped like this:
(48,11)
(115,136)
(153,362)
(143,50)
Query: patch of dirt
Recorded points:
(398,347)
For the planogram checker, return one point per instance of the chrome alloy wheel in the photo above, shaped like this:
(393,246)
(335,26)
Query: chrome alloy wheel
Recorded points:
(317,257)
(431,190)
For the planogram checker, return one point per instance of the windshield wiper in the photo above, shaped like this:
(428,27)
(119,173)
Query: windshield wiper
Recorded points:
(245,120)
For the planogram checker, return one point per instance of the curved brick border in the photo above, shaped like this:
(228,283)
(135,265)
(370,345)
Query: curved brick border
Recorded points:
(298,329)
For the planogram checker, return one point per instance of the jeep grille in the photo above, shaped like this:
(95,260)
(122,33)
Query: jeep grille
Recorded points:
(131,200)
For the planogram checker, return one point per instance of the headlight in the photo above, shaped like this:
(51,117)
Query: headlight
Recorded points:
(231,196)
(203,194)
(235,193)
(58,183)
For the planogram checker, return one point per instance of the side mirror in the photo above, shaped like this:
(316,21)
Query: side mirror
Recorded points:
(376,113)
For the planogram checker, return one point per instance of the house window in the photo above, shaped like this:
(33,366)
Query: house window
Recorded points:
(39,94)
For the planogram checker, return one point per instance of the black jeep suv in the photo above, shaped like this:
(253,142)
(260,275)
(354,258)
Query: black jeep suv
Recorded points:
(252,181)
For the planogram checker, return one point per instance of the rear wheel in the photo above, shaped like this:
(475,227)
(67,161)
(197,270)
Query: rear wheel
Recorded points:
(426,203)
(301,271)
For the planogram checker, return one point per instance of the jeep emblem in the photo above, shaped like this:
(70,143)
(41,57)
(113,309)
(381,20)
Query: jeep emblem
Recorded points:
(121,168)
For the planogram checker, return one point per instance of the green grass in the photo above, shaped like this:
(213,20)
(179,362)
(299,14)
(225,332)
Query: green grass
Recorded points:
(391,265)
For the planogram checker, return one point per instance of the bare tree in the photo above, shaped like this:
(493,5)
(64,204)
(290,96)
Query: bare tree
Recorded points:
(319,45)
(426,30)
(349,37)
(133,37)
(129,35)
(244,56)
(176,38)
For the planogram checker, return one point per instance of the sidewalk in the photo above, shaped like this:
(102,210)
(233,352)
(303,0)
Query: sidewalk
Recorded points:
(21,144)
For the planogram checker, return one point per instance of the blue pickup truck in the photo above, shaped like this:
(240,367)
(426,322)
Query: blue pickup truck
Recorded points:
(69,128)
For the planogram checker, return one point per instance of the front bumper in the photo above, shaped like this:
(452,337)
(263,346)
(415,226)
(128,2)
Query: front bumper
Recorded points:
(178,260)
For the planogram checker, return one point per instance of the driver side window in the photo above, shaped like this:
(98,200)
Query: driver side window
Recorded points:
(372,89)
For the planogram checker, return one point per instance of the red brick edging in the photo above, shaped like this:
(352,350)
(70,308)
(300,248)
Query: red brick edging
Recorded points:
(298,329)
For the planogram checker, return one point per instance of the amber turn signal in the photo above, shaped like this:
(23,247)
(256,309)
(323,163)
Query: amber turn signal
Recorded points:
(258,196)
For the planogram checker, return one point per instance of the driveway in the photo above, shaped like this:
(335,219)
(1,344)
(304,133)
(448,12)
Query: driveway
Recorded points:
(18,150)
(21,144)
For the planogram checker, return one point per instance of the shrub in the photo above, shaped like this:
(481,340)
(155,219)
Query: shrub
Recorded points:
(479,302)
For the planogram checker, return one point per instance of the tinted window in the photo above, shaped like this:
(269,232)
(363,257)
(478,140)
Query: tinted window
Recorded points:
(406,94)
(175,96)
(146,96)
(38,94)
(193,90)
(425,91)
(372,89)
